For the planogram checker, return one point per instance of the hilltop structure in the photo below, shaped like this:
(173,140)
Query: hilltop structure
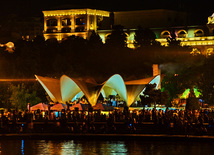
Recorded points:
(60,24)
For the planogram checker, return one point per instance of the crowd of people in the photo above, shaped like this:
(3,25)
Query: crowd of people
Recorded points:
(120,120)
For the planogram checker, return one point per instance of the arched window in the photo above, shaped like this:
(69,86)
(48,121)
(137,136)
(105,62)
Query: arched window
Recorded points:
(198,33)
(127,36)
(165,34)
(182,34)
(106,36)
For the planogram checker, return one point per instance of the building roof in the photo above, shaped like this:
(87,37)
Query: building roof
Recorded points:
(151,18)
(66,88)
(76,12)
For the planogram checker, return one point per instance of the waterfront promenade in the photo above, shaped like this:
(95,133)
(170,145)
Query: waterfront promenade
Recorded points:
(143,122)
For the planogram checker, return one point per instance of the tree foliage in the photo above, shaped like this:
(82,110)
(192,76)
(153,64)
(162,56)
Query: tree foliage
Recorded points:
(78,57)
(172,41)
(144,37)
(206,82)
(153,95)
(95,40)
(192,102)
(21,96)
(117,38)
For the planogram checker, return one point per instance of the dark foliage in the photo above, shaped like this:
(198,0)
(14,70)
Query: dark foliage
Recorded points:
(145,37)
(78,57)
(192,101)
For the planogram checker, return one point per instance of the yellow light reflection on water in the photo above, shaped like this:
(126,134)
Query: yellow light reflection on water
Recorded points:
(69,147)
(78,147)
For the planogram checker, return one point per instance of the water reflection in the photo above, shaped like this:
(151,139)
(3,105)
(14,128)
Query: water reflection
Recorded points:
(22,147)
(92,147)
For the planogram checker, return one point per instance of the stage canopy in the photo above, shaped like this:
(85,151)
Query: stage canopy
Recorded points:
(66,88)
(40,106)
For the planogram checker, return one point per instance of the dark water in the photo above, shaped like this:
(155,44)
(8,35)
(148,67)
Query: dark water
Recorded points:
(93,147)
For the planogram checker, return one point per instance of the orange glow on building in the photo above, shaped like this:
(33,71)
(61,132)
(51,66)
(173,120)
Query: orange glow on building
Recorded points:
(60,24)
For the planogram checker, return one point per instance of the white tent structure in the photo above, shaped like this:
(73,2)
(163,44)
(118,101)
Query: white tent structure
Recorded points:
(66,88)
(52,87)
(117,84)
(69,88)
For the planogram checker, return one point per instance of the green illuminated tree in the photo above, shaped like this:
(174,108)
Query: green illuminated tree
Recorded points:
(172,83)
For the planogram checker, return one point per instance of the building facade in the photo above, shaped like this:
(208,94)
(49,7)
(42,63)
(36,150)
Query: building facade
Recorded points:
(60,24)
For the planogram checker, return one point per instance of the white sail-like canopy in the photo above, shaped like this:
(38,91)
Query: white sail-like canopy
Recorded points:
(117,84)
(51,86)
(107,91)
(67,88)
(135,87)
(91,91)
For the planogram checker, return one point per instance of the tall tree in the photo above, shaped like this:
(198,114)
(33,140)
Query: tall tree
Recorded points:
(192,102)
(95,40)
(153,95)
(173,85)
(206,82)
(117,38)
(144,37)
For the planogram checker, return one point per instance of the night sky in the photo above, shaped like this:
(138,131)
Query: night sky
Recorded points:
(202,9)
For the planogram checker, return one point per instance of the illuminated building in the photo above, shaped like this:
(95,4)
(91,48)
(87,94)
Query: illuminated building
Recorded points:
(201,37)
(165,22)
(60,24)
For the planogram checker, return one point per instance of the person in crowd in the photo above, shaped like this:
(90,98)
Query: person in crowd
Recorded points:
(164,120)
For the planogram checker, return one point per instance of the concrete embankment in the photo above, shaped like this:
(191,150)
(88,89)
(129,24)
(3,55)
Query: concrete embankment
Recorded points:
(142,137)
